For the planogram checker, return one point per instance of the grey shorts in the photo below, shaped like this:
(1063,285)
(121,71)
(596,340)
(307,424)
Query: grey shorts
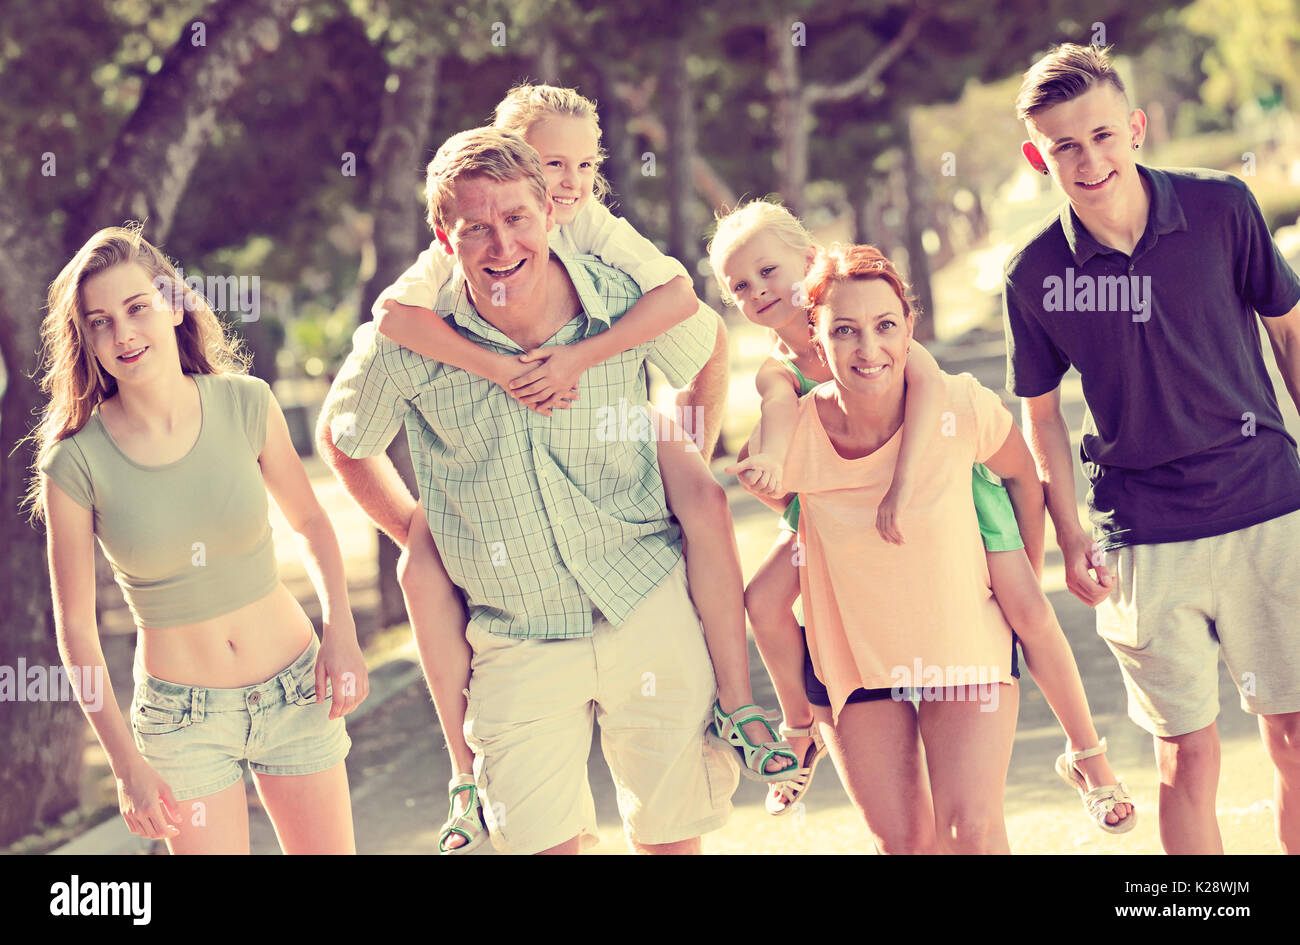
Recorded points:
(196,738)
(1176,605)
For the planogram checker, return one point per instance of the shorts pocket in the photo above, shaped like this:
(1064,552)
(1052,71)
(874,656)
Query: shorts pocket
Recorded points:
(1118,619)
(721,774)
(158,718)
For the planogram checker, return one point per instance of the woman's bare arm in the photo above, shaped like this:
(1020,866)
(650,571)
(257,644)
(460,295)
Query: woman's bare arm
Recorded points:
(70,545)
(340,661)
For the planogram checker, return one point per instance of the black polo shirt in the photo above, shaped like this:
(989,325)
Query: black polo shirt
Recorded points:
(1182,438)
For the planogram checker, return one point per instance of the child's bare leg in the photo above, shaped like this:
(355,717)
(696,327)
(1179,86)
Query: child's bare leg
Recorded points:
(712,563)
(1050,661)
(438,621)
(768,600)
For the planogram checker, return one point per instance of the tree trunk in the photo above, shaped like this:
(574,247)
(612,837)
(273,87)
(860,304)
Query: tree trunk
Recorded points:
(790,114)
(682,232)
(918,261)
(548,61)
(641,120)
(623,166)
(158,147)
(794,103)
(145,176)
(858,196)
(40,741)
(400,233)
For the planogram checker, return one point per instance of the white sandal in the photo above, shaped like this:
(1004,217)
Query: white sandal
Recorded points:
(792,789)
(1100,801)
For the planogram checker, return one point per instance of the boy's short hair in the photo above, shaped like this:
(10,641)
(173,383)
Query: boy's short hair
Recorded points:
(480,152)
(1065,73)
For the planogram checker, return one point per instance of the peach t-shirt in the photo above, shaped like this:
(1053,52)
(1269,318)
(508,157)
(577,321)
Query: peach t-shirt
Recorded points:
(873,608)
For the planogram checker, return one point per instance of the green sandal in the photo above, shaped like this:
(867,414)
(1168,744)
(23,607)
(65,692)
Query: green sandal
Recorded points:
(727,733)
(469,825)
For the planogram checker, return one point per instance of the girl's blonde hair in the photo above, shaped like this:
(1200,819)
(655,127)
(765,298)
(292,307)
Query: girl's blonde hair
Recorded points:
(525,105)
(72,379)
(744,221)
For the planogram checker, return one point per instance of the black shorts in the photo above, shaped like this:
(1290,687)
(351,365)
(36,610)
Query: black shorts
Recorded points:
(818,695)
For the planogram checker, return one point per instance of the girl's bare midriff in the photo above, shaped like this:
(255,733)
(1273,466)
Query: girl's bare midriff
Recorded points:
(242,648)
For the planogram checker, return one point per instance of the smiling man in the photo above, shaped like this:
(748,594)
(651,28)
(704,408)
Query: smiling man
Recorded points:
(1195,482)
(559,536)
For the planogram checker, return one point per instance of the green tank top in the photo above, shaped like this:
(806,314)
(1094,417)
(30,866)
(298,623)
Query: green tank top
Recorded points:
(805,385)
(790,517)
(188,540)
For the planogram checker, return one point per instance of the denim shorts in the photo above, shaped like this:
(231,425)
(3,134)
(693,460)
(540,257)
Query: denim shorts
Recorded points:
(196,738)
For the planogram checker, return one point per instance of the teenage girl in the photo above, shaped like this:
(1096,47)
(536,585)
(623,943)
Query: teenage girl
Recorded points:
(156,443)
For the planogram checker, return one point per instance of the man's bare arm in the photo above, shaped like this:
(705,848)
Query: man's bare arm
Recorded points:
(374,485)
(1284,335)
(1049,442)
(709,391)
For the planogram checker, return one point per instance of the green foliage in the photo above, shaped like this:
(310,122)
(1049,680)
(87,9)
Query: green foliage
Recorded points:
(270,196)
(70,74)
(1253,50)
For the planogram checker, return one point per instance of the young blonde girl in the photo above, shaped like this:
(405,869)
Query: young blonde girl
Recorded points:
(155,442)
(760,254)
(562,126)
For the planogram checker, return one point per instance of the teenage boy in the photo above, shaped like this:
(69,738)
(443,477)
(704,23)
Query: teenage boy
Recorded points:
(1148,283)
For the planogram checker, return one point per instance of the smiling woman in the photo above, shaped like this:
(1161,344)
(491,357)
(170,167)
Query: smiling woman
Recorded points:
(870,605)
(149,410)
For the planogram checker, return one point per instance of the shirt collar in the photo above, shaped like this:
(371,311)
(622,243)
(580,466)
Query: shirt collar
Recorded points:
(453,299)
(1164,215)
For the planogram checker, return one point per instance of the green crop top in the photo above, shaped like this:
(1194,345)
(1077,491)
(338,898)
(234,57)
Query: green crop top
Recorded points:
(188,540)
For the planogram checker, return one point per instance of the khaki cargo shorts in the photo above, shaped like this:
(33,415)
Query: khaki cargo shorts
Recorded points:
(649,684)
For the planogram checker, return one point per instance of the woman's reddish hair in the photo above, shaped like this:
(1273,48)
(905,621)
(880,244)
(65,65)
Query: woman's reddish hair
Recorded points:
(841,263)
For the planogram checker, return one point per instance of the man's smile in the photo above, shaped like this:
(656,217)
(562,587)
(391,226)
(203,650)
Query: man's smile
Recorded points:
(505,273)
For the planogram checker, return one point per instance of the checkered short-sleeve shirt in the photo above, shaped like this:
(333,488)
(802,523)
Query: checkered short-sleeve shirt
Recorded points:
(537,519)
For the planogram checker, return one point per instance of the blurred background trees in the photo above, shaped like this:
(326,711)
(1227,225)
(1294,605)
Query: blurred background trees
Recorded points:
(286,139)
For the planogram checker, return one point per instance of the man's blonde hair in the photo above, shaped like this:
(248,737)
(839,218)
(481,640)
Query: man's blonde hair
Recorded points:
(740,224)
(480,152)
(525,105)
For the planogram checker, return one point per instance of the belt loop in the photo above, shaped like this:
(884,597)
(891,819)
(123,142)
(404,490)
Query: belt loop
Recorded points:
(197,695)
(288,684)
